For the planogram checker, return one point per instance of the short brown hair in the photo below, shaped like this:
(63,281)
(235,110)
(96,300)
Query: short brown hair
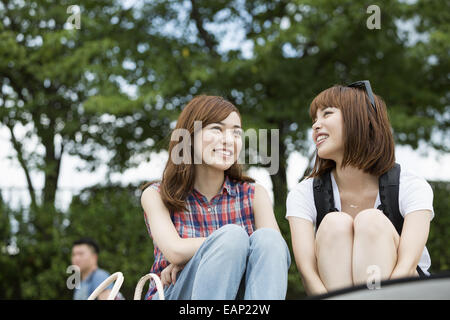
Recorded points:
(368,139)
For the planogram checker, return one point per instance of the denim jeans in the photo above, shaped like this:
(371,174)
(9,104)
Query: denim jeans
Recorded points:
(231,265)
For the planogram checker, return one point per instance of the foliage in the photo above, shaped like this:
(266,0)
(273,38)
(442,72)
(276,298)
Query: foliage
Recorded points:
(111,215)
(116,85)
(439,237)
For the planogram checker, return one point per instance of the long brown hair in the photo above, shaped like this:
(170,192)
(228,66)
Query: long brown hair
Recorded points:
(368,140)
(178,179)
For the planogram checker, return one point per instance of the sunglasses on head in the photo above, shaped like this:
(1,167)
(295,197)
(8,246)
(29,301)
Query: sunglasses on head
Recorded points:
(365,84)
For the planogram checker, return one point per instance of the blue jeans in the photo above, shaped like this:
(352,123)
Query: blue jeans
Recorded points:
(231,265)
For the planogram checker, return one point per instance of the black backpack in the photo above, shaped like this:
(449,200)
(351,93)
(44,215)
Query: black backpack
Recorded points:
(389,184)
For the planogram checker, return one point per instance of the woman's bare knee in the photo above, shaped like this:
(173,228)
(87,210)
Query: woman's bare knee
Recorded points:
(373,223)
(336,221)
(334,226)
(334,241)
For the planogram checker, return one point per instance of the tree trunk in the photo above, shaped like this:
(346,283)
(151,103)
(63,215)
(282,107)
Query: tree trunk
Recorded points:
(279,187)
(18,147)
(52,164)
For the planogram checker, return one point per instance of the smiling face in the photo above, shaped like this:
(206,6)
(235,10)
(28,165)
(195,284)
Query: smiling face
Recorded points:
(219,144)
(358,135)
(328,133)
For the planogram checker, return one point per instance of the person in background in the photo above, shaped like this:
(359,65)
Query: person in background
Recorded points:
(85,255)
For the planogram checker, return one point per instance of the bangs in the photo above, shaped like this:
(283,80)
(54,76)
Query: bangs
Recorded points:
(207,109)
(217,110)
(331,97)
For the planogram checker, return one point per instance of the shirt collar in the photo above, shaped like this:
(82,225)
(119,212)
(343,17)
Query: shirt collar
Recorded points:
(229,186)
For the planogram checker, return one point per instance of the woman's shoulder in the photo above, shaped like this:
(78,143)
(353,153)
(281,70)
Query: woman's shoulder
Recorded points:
(300,201)
(251,187)
(410,179)
(415,193)
(151,199)
(304,186)
(151,185)
(151,189)
(302,192)
(412,186)
(260,190)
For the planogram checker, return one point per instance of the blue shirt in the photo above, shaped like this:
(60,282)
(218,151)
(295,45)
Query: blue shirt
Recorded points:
(88,285)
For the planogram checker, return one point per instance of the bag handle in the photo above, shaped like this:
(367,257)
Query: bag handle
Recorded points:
(140,286)
(118,277)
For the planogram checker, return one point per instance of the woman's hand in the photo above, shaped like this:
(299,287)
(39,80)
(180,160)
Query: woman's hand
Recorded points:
(169,274)
(400,272)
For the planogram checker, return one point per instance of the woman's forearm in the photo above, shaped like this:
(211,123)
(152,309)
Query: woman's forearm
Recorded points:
(185,249)
(412,242)
(303,245)
(408,259)
(311,280)
(315,288)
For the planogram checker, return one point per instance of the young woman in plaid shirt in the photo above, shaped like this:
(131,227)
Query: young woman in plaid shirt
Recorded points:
(214,231)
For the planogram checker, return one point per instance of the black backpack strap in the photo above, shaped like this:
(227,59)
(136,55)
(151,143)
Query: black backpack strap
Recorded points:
(389,184)
(389,192)
(420,272)
(323,196)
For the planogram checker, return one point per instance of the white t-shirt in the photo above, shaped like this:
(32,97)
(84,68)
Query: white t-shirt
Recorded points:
(415,193)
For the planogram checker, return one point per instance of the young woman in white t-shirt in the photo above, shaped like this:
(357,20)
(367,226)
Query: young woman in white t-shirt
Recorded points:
(353,137)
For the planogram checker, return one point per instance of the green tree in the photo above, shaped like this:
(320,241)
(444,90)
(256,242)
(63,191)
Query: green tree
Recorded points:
(119,81)
(35,269)
(439,237)
(112,215)
(59,82)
